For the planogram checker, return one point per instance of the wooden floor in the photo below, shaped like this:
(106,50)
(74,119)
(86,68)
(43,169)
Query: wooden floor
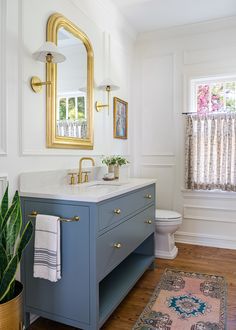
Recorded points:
(190,258)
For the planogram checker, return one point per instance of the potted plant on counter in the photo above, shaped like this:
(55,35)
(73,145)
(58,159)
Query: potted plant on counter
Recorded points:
(13,240)
(114,162)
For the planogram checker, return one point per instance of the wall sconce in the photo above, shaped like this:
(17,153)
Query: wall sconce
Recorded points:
(107,86)
(47,53)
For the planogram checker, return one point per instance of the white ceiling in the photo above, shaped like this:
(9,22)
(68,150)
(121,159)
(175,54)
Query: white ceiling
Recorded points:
(148,15)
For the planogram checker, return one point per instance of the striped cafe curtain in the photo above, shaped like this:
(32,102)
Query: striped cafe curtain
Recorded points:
(210,150)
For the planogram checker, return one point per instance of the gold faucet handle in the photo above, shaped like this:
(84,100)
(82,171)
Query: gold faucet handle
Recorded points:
(86,175)
(72,178)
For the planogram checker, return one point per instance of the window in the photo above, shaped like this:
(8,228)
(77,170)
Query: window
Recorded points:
(211,135)
(71,115)
(71,108)
(213,95)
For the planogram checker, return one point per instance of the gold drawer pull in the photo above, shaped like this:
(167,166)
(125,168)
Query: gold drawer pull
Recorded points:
(149,222)
(148,196)
(117,211)
(117,245)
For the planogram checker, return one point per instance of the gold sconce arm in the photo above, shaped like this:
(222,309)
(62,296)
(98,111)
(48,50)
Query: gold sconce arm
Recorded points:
(108,86)
(99,106)
(36,84)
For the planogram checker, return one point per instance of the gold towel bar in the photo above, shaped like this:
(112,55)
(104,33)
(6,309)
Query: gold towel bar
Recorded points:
(76,218)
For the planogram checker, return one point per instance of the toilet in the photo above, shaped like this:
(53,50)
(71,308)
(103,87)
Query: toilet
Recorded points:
(166,224)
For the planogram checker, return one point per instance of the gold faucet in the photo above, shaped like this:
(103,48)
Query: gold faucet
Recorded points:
(80,174)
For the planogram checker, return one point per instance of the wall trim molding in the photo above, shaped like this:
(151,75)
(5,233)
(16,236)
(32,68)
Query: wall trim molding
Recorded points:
(219,241)
(158,155)
(3,183)
(3,105)
(207,218)
(204,195)
(156,165)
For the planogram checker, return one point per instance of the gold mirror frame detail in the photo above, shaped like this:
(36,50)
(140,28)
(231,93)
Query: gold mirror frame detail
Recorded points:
(55,22)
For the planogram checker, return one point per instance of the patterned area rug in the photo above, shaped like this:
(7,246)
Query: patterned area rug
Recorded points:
(186,301)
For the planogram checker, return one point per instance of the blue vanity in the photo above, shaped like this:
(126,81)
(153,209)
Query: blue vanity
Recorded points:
(103,254)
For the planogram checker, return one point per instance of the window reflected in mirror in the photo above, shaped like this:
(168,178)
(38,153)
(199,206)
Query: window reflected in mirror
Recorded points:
(69,110)
(71,91)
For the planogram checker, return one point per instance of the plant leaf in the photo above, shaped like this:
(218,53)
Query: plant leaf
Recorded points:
(8,277)
(25,238)
(9,213)
(3,260)
(1,221)
(4,204)
(13,230)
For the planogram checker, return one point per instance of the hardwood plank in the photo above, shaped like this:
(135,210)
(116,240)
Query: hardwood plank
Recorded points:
(190,258)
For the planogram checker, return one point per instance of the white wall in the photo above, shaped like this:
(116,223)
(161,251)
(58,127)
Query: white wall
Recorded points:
(165,62)
(23,113)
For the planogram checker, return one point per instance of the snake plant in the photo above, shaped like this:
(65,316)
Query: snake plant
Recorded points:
(13,240)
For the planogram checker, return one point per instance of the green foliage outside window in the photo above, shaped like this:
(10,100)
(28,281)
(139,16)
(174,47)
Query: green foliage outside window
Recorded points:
(81,107)
(72,108)
(62,109)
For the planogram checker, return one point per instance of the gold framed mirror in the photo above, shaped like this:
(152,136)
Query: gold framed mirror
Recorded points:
(70,94)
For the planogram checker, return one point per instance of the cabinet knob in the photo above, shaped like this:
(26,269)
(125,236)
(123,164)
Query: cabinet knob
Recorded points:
(148,196)
(117,245)
(149,222)
(76,218)
(117,211)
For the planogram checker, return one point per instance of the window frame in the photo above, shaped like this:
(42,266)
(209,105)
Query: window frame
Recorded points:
(67,96)
(195,81)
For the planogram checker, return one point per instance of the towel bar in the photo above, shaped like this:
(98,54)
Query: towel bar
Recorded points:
(34,214)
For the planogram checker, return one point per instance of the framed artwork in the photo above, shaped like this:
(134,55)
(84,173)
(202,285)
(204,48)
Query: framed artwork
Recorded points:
(120,119)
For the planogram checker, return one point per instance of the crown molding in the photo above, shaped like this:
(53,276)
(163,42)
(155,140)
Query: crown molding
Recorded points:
(188,29)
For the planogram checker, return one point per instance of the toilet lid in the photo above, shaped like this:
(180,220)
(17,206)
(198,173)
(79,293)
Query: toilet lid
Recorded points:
(167,215)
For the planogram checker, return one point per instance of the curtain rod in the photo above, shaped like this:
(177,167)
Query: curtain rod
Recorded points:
(208,113)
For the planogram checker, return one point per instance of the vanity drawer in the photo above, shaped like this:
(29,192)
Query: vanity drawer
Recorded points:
(115,245)
(114,211)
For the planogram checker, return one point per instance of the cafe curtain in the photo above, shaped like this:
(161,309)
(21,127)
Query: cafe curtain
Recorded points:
(210,150)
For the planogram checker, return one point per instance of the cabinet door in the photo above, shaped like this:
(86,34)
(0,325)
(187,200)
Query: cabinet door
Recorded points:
(69,297)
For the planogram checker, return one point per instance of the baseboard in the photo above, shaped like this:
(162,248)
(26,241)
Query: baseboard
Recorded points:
(225,242)
(33,318)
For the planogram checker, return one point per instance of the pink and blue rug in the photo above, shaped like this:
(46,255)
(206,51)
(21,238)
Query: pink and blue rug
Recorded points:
(186,301)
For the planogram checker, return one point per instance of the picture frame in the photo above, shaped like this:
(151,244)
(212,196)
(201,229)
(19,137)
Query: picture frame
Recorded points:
(120,119)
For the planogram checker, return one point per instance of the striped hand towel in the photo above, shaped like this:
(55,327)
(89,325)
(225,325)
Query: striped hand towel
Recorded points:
(47,252)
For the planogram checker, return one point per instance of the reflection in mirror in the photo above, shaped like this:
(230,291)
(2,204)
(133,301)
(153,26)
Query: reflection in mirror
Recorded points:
(71,91)
(70,96)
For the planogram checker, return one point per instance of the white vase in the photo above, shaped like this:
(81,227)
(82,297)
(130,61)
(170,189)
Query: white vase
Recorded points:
(110,168)
(116,171)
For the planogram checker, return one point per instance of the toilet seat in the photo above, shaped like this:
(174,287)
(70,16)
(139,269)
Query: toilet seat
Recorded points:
(167,215)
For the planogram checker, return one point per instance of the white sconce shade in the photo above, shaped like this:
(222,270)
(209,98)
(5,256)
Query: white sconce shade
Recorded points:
(108,83)
(108,86)
(49,48)
(47,53)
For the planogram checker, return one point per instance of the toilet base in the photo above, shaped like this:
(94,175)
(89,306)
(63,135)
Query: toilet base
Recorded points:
(166,254)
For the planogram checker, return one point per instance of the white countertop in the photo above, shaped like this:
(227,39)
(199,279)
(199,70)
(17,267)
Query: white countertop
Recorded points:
(94,191)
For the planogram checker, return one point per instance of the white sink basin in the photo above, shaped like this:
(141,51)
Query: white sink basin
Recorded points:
(105,184)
